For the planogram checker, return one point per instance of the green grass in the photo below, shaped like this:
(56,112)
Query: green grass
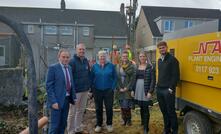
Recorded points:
(155,124)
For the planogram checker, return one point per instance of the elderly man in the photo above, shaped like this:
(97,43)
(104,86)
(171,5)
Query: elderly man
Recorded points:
(60,92)
(81,75)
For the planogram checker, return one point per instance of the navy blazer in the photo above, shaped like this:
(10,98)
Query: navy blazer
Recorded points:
(56,86)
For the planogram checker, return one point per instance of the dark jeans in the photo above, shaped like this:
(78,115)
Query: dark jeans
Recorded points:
(105,96)
(58,118)
(167,106)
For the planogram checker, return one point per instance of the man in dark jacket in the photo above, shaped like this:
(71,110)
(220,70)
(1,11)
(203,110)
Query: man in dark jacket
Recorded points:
(81,76)
(168,76)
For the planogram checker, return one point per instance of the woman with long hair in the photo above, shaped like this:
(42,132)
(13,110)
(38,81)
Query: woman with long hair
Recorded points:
(144,87)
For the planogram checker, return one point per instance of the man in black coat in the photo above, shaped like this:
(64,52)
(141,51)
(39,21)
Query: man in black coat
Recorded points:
(168,76)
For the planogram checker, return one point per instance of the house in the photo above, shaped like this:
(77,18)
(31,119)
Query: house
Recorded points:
(50,29)
(154,22)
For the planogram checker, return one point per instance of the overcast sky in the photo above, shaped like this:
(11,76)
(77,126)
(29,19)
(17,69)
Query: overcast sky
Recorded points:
(111,5)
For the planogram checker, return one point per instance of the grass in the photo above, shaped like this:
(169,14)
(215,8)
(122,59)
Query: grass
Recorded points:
(156,123)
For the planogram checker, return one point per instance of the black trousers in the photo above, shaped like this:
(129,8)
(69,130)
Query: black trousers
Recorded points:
(106,97)
(144,114)
(167,106)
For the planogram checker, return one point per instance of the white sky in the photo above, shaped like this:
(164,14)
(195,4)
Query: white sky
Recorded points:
(111,5)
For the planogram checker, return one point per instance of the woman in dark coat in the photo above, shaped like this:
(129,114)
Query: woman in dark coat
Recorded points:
(126,76)
(144,87)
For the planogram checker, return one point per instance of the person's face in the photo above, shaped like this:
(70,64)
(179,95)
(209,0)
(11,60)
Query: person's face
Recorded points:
(64,58)
(124,57)
(142,58)
(81,50)
(102,59)
(162,50)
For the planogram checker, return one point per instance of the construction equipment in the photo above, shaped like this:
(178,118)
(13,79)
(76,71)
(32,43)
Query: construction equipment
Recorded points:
(198,93)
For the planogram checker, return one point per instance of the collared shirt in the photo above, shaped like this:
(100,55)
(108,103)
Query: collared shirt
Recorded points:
(162,57)
(63,68)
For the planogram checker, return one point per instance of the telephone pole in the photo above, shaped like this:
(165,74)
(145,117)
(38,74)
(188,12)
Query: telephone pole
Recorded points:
(131,18)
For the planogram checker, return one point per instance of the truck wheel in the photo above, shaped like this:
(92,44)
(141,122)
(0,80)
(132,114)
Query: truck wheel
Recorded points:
(197,123)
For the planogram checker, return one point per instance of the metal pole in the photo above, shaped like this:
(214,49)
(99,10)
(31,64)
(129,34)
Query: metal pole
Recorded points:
(32,84)
(129,14)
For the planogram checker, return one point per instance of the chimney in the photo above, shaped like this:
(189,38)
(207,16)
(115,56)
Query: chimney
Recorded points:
(122,9)
(62,5)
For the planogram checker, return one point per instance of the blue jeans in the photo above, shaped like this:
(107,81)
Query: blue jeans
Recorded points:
(105,96)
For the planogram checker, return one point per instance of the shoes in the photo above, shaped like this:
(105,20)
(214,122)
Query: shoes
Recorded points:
(97,129)
(123,123)
(109,128)
(82,132)
(146,130)
(129,123)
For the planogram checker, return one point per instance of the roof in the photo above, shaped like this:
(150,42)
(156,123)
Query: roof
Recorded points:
(153,12)
(107,23)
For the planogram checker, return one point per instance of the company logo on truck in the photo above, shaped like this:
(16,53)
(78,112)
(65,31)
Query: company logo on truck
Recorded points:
(207,57)
(209,47)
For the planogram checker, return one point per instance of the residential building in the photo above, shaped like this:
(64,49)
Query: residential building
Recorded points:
(50,29)
(155,21)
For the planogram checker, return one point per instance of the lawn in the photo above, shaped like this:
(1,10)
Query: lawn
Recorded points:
(156,122)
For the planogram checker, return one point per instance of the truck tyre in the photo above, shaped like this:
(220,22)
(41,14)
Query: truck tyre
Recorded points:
(197,123)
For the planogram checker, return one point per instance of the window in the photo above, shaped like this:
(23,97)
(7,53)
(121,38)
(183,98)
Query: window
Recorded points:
(66,30)
(51,30)
(30,28)
(2,51)
(188,24)
(86,31)
(168,26)
(106,50)
(2,55)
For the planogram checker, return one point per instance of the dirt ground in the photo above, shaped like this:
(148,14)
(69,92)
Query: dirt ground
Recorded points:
(156,123)
(14,119)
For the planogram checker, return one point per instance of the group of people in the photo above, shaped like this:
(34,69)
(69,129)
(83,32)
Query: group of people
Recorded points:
(70,81)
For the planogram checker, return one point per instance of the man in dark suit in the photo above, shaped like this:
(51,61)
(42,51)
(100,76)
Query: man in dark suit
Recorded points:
(60,92)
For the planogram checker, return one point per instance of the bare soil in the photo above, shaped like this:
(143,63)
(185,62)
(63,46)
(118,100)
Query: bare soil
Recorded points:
(14,119)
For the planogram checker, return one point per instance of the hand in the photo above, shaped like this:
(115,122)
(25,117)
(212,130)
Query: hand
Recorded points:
(125,89)
(55,106)
(121,90)
(132,93)
(149,95)
(90,95)
(170,90)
